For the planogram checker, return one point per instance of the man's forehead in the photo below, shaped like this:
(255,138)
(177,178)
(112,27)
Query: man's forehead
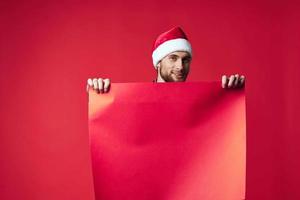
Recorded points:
(180,54)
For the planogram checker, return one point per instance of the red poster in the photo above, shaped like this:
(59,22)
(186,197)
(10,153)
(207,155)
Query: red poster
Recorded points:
(168,141)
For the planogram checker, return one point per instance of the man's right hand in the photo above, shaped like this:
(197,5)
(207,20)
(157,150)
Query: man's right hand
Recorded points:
(100,85)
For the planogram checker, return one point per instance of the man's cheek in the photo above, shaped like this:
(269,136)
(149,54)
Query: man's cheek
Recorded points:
(187,72)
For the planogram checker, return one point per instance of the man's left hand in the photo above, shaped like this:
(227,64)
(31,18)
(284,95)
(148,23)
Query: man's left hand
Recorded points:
(233,81)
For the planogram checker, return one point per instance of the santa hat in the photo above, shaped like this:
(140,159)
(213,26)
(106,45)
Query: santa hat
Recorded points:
(168,42)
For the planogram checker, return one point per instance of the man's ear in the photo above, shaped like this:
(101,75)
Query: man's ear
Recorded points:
(158,66)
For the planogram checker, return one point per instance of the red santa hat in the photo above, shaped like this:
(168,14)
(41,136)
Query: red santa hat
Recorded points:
(168,42)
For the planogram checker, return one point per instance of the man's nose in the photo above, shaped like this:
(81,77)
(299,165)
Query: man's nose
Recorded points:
(179,64)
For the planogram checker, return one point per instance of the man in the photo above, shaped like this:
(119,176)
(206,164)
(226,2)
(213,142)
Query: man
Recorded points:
(172,55)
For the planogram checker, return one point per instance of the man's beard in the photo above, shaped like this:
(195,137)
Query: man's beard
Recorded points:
(174,77)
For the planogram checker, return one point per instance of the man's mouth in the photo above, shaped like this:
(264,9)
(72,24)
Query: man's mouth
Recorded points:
(178,75)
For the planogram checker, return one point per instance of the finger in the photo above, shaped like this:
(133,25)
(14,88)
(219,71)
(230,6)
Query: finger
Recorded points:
(95,84)
(100,85)
(89,84)
(224,81)
(242,81)
(230,83)
(236,80)
(106,84)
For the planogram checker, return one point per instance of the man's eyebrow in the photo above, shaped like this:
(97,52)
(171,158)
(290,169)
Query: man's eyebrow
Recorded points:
(173,55)
(187,57)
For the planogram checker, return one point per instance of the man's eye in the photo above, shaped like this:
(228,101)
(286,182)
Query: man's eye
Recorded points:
(173,58)
(186,60)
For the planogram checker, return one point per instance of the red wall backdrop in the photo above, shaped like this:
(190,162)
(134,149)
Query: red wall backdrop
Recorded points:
(49,49)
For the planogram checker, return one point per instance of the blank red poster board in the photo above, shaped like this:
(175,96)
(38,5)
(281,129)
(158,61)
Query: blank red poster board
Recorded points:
(168,141)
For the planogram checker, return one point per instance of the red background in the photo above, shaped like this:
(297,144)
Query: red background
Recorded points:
(49,49)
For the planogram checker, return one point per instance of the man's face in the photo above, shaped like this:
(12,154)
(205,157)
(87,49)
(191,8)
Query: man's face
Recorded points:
(175,66)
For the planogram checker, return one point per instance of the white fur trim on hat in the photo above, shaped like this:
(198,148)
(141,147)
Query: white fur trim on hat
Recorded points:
(170,46)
